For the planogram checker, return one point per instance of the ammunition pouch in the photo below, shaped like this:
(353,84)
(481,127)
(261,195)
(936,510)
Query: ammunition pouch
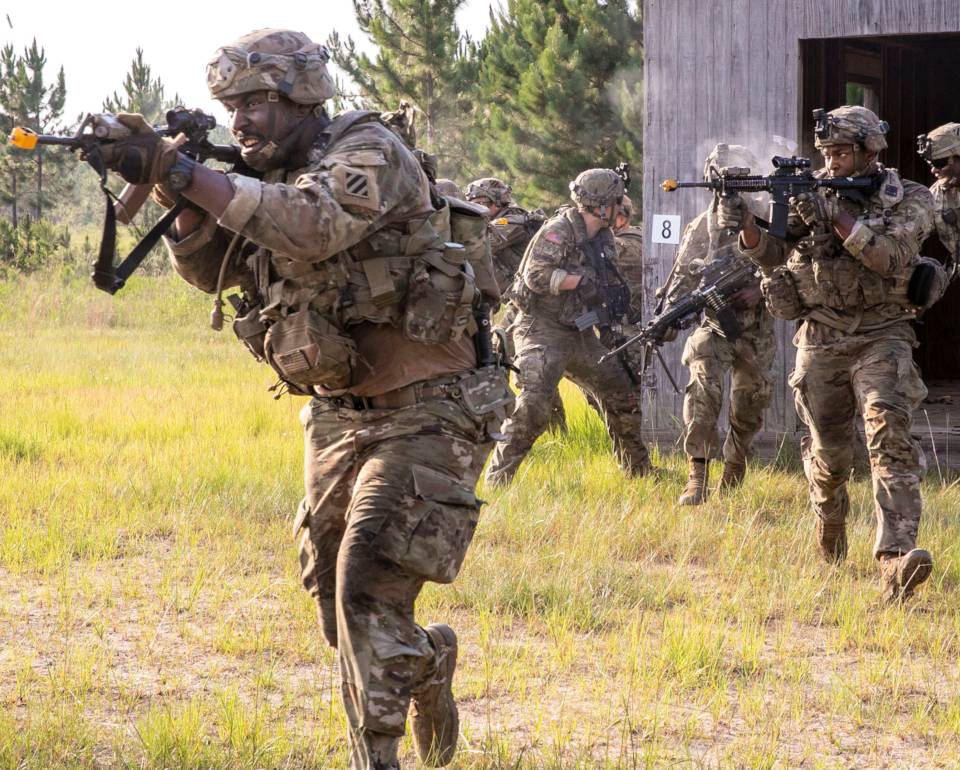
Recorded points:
(306,350)
(440,298)
(251,331)
(781,295)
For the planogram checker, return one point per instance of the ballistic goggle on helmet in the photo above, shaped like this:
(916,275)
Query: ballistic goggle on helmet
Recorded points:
(597,187)
(937,147)
(727,156)
(275,60)
(850,125)
(491,188)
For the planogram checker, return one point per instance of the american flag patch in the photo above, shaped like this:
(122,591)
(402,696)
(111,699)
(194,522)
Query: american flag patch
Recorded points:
(554,237)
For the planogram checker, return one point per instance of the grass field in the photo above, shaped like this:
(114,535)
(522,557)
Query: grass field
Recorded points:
(151,614)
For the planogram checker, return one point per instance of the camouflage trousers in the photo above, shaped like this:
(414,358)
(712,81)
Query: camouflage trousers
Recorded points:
(546,352)
(709,356)
(389,505)
(879,379)
(505,324)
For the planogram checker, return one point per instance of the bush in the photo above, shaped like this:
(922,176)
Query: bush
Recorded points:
(32,246)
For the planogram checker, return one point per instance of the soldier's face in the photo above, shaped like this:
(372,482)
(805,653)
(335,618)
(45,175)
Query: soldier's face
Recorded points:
(949,173)
(255,120)
(839,159)
(492,208)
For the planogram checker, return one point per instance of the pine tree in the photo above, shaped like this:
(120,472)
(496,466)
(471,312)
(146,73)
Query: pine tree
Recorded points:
(559,92)
(142,92)
(422,58)
(14,165)
(42,109)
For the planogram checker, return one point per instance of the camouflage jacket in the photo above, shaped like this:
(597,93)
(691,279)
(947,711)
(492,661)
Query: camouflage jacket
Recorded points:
(946,206)
(704,247)
(857,285)
(556,252)
(630,263)
(345,236)
(510,232)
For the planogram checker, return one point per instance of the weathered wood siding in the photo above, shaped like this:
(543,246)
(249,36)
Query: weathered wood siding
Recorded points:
(729,70)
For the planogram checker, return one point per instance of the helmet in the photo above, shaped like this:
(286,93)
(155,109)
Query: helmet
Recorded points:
(850,125)
(626,207)
(596,187)
(942,142)
(401,122)
(491,188)
(727,156)
(279,60)
(448,188)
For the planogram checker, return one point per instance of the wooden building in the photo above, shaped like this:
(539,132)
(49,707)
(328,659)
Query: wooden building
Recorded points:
(751,72)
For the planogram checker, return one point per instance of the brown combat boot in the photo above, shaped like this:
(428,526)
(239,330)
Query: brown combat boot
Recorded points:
(899,575)
(433,711)
(695,492)
(732,477)
(832,540)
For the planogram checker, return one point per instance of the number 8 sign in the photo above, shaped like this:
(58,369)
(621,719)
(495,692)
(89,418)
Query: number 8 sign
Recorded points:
(666,228)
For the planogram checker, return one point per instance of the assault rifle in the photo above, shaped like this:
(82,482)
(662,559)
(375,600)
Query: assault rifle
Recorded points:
(791,177)
(713,293)
(98,130)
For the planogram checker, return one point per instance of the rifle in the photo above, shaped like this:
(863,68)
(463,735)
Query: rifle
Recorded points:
(791,177)
(714,293)
(191,127)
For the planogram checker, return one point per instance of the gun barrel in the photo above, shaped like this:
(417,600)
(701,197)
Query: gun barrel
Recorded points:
(27,139)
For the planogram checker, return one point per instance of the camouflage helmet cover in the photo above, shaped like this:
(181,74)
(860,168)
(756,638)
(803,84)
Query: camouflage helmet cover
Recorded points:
(850,125)
(278,60)
(942,142)
(491,188)
(729,155)
(597,187)
(448,188)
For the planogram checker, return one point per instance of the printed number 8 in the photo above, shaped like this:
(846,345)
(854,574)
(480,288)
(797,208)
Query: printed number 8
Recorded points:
(666,231)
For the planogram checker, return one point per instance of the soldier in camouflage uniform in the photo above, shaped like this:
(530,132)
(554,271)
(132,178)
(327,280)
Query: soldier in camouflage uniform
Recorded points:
(941,150)
(511,229)
(629,241)
(709,355)
(847,278)
(352,293)
(564,279)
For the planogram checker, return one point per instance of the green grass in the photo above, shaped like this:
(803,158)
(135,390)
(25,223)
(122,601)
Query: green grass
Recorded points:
(152,615)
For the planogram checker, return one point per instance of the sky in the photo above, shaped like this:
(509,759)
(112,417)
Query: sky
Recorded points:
(177,40)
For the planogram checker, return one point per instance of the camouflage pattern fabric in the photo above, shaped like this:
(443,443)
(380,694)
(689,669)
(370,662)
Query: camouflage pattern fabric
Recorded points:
(855,352)
(510,232)
(630,264)
(946,199)
(710,356)
(875,373)
(546,352)
(389,503)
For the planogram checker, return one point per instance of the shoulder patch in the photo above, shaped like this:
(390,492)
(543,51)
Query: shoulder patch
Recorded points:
(357,186)
(891,190)
(553,237)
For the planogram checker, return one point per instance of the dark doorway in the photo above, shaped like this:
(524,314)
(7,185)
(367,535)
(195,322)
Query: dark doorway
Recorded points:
(909,81)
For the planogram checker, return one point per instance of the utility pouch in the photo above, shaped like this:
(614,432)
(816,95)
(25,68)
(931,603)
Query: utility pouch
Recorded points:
(782,299)
(305,350)
(440,298)
(484,392)
(250,330)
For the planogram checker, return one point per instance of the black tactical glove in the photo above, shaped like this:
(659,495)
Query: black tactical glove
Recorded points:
(144,157)
(588,291)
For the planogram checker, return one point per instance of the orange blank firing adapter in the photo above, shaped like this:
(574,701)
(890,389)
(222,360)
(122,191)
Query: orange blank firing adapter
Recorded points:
(23,138)
(669,185)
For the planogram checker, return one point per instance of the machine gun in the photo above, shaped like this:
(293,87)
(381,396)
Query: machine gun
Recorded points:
(191,126)
(713,293)
(791,177)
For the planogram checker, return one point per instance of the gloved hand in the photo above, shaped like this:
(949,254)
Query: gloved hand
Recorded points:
(731,211)
(817,211)
(588,291)
(747,298)
(671,334)
(144,157)
(164,197)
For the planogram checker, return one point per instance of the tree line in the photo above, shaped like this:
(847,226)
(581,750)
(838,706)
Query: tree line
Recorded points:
(554,87)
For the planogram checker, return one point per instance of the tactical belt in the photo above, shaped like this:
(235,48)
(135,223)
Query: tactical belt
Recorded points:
(410,395)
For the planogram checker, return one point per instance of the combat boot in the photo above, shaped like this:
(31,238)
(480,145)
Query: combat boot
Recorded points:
(832,540)
(732,477)
(900,575)
(695,492)
(434,718)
